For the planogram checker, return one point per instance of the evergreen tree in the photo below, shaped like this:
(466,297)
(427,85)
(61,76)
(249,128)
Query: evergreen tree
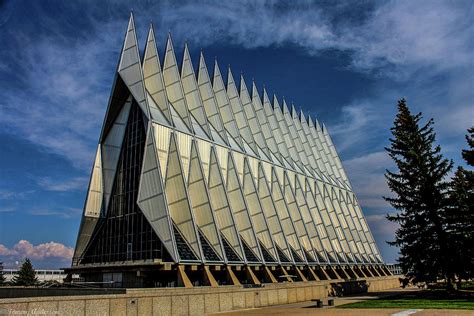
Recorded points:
(420,197)
(2,276)
(468,154)
(26,275)
(460,224)
(460,216)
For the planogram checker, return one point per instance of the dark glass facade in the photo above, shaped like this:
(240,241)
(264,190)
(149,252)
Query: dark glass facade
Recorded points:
(124,234)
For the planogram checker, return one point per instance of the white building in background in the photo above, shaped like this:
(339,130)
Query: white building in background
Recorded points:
(42,275)
(394,268)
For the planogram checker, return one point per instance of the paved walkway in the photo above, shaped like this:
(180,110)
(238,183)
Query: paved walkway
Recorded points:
(307,308)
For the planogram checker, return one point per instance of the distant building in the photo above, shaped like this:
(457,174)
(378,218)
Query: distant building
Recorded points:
(394,268)
(197,182)
(42,275)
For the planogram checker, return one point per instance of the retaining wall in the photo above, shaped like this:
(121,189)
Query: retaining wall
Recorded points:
(180,301)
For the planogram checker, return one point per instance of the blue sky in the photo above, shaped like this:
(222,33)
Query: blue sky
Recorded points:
(342,62)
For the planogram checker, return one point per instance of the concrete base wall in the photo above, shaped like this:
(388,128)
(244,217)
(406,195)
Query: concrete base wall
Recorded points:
(381,284)
(20,292)
(180,301)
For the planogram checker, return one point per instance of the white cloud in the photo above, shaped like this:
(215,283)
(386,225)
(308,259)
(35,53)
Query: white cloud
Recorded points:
(379,224)
(367,177)
(10,195)
(65,213)
(421,33)
(7,209)
(42,252)
(356,124)
(72,184)
(67,80)
(65,86)
(415,33)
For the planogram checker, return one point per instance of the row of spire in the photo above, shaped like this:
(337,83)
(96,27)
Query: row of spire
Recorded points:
(227,115)
(186,58)
(234,119)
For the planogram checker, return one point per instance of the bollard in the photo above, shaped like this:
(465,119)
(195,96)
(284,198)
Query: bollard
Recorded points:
(319,303)
(331,302)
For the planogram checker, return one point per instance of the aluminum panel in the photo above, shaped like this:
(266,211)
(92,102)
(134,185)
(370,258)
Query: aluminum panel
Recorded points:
(178,202)
(94,197)
(275,128)
(204,149)
(271,216)
(296,216)
(130,69)
(184,148)
(255,211)
(251,115)
(86,230)
(209,100)
(162,135)
(225,109)
(339,238)
(200,203)
(239,113)
(222,157)
(263,122)
(173,85)
(240,209)
(111,151)
(151,197)
(291,233)
(192,94)
(309,222)
(320,226)
(220,204)
(350,223)
(153,78)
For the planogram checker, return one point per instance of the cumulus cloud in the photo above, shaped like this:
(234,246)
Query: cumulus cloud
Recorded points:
(41,253)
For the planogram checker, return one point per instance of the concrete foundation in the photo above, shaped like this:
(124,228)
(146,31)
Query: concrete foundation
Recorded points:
(191,301)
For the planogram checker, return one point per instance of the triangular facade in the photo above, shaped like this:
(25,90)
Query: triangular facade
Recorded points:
(193,171)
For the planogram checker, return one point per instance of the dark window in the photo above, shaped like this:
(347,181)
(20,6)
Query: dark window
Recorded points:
(248,252)
(129,251)
(309,257)
(283,257)
(331,258)
(209,253)
(295,255)
(321,257)
(341,259)
(184,251)
(266,255)
(229,252)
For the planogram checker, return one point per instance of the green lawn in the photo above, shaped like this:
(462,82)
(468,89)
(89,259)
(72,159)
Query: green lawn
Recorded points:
(420,300)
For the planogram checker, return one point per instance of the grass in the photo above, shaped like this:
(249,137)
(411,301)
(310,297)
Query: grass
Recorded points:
(420,300)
